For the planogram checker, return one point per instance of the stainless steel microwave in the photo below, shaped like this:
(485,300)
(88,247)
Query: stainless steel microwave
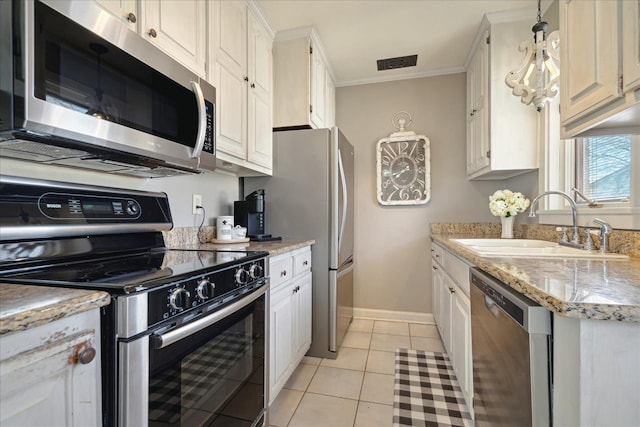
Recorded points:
(79,88)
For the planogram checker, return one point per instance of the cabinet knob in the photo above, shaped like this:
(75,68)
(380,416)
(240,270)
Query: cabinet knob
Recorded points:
(153,33)
(131,17)
(434,267)
(246,79)
(305,263)
(253,85)
(473,112)
(283,273)
(453,291)
(87,355)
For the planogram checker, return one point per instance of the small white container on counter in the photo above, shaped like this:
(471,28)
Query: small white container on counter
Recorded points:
(224,228)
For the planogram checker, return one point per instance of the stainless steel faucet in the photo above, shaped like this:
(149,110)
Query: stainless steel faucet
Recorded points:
(575,239)
(605,230)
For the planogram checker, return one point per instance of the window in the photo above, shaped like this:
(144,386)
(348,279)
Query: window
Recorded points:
(603,168)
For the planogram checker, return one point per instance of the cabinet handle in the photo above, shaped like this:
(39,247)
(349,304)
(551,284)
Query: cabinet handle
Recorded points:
(437,256)
(453,291)
(434,267)
(283,273)
(253,85)
(473,112)
(131,17)
(246,79)
(305,263)
(87,355)
(153,33)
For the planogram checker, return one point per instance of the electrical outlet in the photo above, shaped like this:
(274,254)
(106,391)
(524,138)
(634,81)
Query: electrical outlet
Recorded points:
(197,201)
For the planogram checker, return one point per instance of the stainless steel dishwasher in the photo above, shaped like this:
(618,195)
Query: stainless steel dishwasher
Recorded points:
(511,346)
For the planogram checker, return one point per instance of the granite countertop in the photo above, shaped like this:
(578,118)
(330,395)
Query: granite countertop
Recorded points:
(23,307)
(578,288)
(275,247)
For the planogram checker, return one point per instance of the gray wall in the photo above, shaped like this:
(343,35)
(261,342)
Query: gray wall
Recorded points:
(392,245)
(218,190)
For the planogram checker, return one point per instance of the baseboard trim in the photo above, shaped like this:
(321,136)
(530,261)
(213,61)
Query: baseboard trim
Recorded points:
(398,316)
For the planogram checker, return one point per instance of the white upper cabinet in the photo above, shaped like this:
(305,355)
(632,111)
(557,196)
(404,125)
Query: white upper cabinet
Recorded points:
(242,71)
(501,131)
(178,27)
(260,94)
(304,90)
(600,67)
(125,10)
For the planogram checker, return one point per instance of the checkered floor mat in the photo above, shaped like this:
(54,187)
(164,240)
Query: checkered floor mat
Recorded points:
(426,391)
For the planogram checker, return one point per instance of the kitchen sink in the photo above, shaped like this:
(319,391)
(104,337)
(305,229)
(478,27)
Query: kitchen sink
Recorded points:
(526,248)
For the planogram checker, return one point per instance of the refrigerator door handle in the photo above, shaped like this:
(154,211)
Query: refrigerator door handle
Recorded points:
(345,198)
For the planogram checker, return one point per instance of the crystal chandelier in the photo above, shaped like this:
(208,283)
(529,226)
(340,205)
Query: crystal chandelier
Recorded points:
(536,78)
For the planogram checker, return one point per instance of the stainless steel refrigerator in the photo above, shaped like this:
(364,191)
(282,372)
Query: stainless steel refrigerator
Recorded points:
(310,196)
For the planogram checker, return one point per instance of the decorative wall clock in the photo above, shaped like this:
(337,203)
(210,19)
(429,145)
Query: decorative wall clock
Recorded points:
(403,164)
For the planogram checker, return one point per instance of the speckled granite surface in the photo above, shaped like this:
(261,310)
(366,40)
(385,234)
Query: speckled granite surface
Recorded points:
(274,248)
(578,288)
(23,307)
(187,237)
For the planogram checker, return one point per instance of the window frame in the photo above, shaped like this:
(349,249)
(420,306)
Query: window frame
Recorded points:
(557,172)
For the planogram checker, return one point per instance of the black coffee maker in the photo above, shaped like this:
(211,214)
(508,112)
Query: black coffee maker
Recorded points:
(250,213)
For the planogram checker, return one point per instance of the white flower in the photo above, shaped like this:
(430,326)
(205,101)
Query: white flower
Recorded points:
(507,203)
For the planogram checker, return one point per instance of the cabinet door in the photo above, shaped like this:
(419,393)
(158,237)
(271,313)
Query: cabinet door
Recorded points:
(180,29)
(478,109)
(281,335)
(231,57)
(47,385)
(589,56)
(303,300)
(631,44)
(125,10)
(461,343)
(318,96)
(445,313)
(260,93)
(436,283)
(330,88)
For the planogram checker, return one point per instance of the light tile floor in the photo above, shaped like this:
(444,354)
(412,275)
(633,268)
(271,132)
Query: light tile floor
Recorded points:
(356,389)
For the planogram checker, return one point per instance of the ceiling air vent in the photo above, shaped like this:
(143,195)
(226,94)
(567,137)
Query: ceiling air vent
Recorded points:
(399,62)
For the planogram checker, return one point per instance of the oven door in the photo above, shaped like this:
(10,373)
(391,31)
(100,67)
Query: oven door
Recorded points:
(210,372)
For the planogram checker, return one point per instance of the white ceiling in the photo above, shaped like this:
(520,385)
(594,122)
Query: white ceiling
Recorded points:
(356,33)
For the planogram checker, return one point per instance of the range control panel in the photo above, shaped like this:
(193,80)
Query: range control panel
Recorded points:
(73,206)
(204,290)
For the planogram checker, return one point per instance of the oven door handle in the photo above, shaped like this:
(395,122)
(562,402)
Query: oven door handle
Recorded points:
(159,341)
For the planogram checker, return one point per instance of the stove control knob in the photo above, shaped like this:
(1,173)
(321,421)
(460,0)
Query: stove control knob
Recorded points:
(205,289)
(133,208)
(242,276)
(179,299)
(256,271)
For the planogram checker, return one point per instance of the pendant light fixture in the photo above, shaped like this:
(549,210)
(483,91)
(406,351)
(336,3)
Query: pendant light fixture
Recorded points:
(536,78)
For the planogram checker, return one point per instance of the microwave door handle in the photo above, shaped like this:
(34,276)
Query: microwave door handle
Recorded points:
(202,120)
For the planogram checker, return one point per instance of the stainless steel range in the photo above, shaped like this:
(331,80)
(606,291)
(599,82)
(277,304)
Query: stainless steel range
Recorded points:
(184,339)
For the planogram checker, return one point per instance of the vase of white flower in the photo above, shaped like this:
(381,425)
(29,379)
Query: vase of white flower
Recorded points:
(507,226)
(506,204)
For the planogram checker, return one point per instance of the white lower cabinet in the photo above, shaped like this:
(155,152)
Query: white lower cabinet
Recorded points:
(452,314)
(50,374)
(290,315)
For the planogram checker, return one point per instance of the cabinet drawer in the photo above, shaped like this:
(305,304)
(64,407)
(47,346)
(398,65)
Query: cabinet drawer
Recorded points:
(280,269)
(302,262)
(457,269)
